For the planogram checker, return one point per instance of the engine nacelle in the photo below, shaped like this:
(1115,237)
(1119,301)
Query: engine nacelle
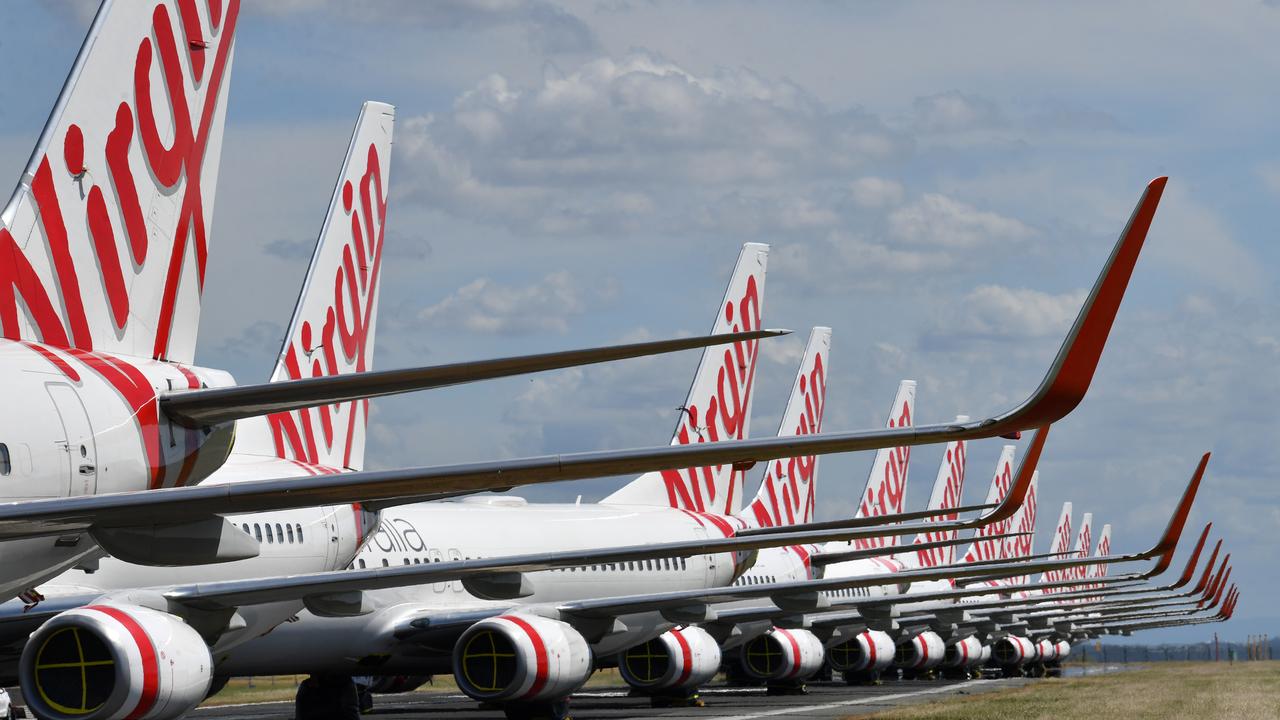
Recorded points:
(1063,649)
(782,654)
(103,662)
(1046,651)
(869,652)
(921,652)
(519,657)
(678,659)
(963,654)
(1012,651)
(390,684)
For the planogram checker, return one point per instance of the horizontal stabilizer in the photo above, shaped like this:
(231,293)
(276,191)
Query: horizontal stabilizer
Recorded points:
(212,406)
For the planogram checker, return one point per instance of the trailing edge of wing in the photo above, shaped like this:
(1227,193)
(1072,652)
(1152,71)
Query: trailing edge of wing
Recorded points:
(211,406)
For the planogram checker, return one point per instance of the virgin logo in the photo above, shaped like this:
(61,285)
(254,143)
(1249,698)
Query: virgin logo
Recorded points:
(58,312)
(790,489)
(721,415)
(955,463)
(885,497)
(984,548)
(340,344)
(1026,524)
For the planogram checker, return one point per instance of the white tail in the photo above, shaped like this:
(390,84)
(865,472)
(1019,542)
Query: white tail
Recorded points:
(1084,541)
(887,484)
(1023,521)
(983,548)
(1061,543)
(104,242)
(333,326)
(947,489)
(719,403)
(1104,549)
(786,495)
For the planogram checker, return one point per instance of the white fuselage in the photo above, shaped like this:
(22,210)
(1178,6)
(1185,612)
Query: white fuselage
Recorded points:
(488,527)
(80,423)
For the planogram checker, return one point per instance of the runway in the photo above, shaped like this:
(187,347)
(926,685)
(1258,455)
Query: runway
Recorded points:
(825,700)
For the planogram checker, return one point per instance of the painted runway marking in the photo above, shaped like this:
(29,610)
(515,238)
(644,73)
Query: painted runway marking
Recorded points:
(860,701)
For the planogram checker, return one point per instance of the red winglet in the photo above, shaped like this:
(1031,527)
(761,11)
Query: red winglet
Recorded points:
(1169,542)
(1191,562)
(1218,579)
(1208,570)
(1022,479)
(1078,358)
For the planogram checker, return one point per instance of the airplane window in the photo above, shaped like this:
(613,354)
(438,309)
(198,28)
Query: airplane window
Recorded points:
(5,464)
(684,563)
(666,563)
(299,533)
(406,561)
(385,563)
(270,537)
(361,564)
(417,561)
(245,527)
(279,533)
(290,529)
(257,531)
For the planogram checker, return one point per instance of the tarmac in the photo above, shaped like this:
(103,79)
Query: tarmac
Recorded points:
(824,700)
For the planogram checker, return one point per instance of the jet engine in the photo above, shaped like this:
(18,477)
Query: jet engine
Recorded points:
(782,654)
(921,652)
(1012,651)
(1063,649)
(872,651)
(1046,651)
(519,657)
(679,659)
(963,654)
(114,661)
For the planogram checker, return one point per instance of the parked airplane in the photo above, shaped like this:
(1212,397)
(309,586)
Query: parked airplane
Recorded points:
(106,239)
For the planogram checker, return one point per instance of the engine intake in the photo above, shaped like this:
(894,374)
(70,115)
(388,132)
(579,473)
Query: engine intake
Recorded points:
(521,657)
(869,652)
(921,652)
(1012,650)
(114,661)
(679,659)
(963,654)
(782,654)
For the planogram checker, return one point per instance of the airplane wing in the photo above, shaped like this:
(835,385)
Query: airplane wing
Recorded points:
(212,406)
(1062,388)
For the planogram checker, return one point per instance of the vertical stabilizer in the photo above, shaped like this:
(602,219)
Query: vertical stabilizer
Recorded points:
(786,495)
(947,489)
(1024,521)
(1103,550)
(984,548)
(719,403)
(104,243)
(1084,541)
(1060,544)
(333,326)
(887,484)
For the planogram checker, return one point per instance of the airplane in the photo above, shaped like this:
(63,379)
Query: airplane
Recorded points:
(106,239)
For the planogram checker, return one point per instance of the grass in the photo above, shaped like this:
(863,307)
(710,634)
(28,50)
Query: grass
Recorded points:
(283,687)
(1205,691)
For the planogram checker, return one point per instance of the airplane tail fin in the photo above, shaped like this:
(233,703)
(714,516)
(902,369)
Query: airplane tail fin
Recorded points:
(1084,541)
(104,242)
(333,327)
(1023,522)
(719,403)
(984,546)
(1060,545)
(947,489)
(786,495)
(887,484)
(1103,550)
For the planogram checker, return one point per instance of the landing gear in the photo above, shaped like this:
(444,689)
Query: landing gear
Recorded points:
(548,710)
(327,697)
(862,678)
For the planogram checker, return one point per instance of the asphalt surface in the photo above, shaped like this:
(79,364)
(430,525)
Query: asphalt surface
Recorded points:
(824,700)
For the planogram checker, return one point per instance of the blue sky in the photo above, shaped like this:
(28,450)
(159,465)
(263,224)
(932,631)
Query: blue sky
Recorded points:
(939,183)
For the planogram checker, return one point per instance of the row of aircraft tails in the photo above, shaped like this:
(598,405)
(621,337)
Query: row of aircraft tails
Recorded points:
(163,528)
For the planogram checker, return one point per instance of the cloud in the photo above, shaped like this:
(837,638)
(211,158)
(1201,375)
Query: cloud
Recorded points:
(993,312)
(874,192)
(955,112)
(483,306)
(939,220)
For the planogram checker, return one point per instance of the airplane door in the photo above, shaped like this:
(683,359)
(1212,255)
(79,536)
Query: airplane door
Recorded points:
(333,539)
(81,450)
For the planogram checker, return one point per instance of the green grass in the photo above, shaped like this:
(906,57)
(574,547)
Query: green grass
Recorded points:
(1204,691)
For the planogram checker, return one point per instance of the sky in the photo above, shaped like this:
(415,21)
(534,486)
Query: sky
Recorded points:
(939,182)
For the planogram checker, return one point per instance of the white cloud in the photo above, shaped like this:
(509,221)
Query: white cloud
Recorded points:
(483,306)
(938,220)
(954,112)
(996,312)
(874,192)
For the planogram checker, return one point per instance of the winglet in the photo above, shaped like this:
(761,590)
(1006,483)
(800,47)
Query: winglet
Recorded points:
(1208,569)
(1169,542)
(1068,379)
(1217,597)
(1190,570)
(1021,480)
(1218,579)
